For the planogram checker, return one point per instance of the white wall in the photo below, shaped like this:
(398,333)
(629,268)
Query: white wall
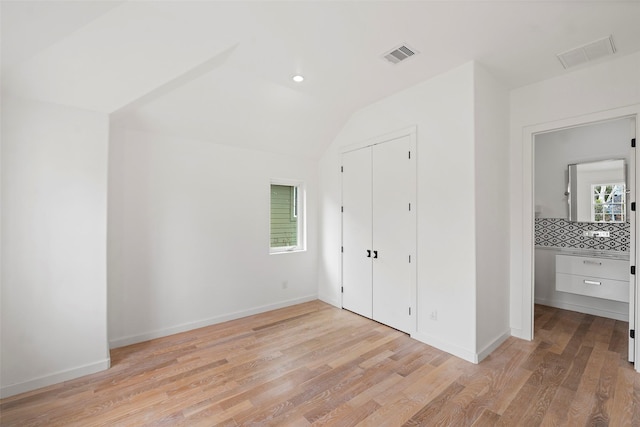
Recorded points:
(491,104)
(443,110)
(587,94)
(54,189)
(553,151)
(189,235)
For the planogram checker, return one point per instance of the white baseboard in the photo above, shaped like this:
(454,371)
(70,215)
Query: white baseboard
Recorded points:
(57,377)
(462,353)
(331,301)
(133,339)
(492,346)
(584,309)
(520,333)
(455,350)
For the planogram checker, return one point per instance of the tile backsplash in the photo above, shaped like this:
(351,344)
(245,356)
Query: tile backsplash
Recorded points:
(560,233)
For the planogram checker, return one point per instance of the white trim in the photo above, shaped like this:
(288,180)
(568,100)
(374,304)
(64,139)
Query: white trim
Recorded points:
(519,333)
(408,131)
(286,250)
(55,378)
(133,339)
(528,193)
(301,217)
(528,133)
(453,349)
(633,179)
(489,348)
(461,352)
(331,301)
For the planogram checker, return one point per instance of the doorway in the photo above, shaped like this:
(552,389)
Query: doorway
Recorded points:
(583,264)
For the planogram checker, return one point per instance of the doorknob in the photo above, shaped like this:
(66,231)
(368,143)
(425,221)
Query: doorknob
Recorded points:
(375,254)
(368,253)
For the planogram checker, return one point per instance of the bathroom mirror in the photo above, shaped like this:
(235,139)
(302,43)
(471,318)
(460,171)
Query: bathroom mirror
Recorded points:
(597,192)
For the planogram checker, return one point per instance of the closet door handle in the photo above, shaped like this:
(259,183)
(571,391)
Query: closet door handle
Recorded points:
(368,253)
(375,254)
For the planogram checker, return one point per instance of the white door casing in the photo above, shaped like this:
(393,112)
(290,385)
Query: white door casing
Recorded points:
(526,246)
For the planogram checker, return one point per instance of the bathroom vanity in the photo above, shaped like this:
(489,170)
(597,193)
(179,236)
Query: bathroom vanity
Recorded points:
(601,275)
(583,280)
(582,260)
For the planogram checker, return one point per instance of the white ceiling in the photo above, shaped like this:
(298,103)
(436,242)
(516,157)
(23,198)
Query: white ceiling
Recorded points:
(221,71)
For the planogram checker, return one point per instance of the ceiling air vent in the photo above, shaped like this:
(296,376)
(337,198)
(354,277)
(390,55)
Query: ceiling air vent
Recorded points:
(588,52)
(399,54)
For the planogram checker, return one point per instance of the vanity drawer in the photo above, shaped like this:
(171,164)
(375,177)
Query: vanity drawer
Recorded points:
(616,290)
(615,269)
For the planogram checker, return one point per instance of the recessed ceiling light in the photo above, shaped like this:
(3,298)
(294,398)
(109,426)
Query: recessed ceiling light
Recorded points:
(298,78)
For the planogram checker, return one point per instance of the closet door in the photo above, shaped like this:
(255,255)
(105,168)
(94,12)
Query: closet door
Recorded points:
(356,232)
(392,233)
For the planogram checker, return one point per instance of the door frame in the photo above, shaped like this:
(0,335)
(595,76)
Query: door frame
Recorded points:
(527,253)
(412,133)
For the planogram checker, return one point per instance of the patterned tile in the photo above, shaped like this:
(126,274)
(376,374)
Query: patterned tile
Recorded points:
(560,233)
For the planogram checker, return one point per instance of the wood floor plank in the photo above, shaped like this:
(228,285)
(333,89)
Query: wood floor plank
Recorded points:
(622,408)
(504,376)
(585,399)
(519,405)
(313,364)
(432,409)
(619,341)
(556,414)
(600,413)
(487,419)
(347,414)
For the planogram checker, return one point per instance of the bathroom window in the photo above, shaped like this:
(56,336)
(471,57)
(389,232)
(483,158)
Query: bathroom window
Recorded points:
(287,216)
(608,202)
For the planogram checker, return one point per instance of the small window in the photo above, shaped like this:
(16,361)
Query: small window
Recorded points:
(608,203)
(287,217)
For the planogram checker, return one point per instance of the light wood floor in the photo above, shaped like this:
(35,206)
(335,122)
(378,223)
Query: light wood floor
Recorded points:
(313,364)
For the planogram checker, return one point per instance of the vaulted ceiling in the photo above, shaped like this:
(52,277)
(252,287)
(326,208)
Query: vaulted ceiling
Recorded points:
(221,71)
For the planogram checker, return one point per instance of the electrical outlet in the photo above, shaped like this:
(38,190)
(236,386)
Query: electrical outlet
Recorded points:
(285,284)
(434,315)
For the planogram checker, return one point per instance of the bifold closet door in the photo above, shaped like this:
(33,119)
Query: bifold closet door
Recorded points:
(356,232)
(392,225)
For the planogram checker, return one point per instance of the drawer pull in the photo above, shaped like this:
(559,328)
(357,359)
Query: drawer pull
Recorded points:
(592,263)
(592,282)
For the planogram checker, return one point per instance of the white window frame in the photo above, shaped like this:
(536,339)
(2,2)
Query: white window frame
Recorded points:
(301,217)
(294,202)
(623,203)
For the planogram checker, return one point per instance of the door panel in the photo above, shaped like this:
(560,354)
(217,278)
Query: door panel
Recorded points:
(632,252)
(356,232)
(391,233)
